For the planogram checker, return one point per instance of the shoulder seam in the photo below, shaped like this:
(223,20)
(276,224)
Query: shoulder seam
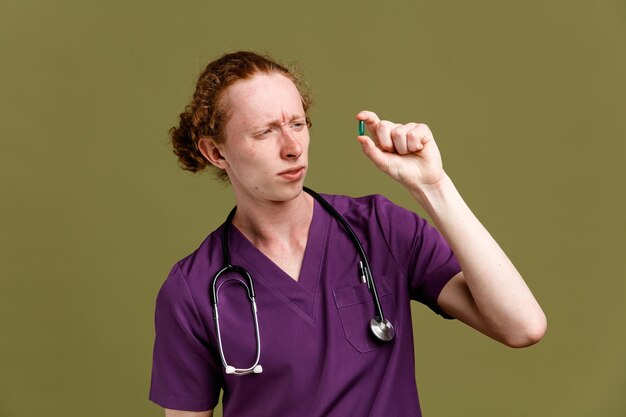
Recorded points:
(193,301)
(406,271)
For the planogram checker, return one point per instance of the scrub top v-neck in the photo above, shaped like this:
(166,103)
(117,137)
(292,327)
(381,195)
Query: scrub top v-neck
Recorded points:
(301,293)
(318,355)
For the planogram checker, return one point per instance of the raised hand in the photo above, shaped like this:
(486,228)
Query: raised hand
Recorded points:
(406,152)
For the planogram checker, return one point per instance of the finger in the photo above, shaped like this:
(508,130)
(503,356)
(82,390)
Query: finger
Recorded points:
(383,135)
(372,152)
(422,135)
(414,140)
(399,137)
(370,118)
(379,128)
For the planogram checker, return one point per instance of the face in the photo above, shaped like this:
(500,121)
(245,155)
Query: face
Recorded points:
(265,151)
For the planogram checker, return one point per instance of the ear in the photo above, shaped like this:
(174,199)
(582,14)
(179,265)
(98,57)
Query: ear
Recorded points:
(211,151)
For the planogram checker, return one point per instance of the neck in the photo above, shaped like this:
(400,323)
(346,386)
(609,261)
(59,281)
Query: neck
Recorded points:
(269,222)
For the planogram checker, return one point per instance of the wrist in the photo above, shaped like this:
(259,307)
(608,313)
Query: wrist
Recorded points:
(443,204)
(429,194)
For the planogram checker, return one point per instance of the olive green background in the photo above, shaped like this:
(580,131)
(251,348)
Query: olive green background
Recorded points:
(526,100)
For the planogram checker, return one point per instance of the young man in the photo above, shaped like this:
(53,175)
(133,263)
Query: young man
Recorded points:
(314,353)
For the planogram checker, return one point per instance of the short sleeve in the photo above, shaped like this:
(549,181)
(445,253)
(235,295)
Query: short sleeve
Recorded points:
(420,250)
(184,373)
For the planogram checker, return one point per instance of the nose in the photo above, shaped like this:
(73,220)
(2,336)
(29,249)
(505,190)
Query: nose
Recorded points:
(291,147)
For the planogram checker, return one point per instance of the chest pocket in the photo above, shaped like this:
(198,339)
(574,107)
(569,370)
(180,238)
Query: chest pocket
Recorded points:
(356,309)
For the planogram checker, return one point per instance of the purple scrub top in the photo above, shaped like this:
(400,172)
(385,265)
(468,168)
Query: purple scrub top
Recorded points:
(318,355)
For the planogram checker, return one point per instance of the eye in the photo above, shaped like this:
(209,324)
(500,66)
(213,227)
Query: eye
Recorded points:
(265,132)
(299,125)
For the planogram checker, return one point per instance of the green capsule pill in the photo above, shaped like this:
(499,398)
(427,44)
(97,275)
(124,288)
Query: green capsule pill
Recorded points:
(361,127)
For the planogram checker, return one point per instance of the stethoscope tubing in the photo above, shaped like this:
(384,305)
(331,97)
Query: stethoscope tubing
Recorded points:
(382,328)
(215,301)
(355,240)
(249,284)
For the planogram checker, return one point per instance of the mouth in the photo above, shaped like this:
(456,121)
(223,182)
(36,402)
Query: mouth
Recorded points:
(293,174)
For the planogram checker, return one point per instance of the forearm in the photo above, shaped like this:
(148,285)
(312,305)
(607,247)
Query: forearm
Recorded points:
(501,296)
(490,295)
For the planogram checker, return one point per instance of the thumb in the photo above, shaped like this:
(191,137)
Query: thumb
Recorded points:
(372,152)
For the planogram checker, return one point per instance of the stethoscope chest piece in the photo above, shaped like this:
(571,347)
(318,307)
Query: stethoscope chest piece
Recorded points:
(382,329)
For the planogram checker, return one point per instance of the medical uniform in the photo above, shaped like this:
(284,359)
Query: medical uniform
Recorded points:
(318,355)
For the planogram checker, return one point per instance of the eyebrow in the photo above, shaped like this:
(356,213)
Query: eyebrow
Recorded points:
(277,122)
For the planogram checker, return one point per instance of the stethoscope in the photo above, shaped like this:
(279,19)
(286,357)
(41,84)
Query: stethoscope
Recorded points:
(381,327)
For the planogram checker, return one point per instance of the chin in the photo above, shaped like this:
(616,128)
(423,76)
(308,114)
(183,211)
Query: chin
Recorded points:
(287,193)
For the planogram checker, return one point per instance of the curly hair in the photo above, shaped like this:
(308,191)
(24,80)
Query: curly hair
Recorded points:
(206,115)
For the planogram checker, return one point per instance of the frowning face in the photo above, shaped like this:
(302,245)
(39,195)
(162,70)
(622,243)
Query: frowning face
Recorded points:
(266,139)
